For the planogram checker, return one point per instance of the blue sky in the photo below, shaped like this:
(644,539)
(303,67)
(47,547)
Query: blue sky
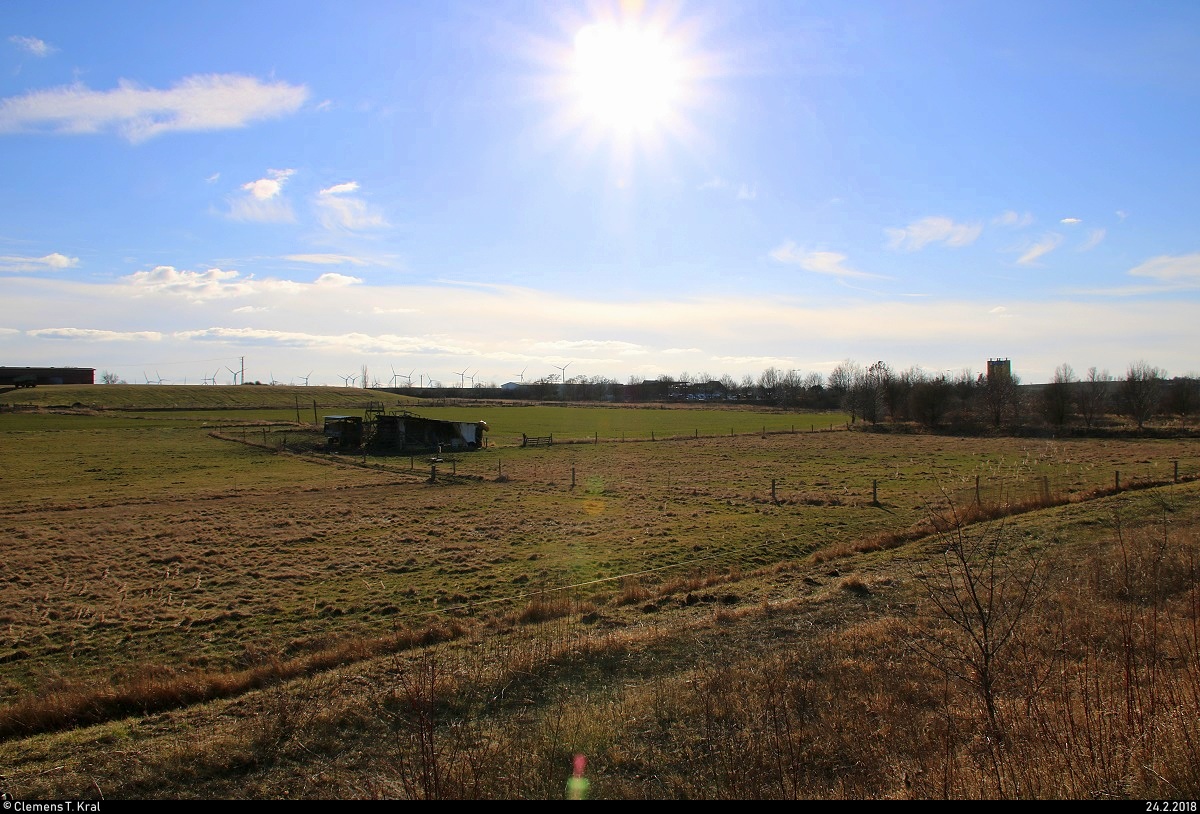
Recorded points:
(485,192)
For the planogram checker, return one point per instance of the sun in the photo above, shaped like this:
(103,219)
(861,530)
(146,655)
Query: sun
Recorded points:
(626,78)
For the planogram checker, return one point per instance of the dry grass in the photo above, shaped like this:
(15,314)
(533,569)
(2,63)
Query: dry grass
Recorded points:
(371,635)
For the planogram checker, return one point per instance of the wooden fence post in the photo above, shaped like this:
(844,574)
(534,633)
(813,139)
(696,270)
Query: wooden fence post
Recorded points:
(1117,480)
(874,493)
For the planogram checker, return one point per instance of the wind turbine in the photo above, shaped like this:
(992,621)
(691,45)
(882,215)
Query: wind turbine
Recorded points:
(408,378)
(395,376)
(461,376)
(564,371)
(306,378)
(235,374)
(214,375)
(472,378)
(206,380)
(521,375)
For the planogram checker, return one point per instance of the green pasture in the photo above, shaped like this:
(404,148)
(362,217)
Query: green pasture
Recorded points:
(506,424)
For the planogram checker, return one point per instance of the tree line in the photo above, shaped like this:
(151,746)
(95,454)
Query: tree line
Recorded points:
(878,394)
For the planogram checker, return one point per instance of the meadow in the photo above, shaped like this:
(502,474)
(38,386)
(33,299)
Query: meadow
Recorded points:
(205,601)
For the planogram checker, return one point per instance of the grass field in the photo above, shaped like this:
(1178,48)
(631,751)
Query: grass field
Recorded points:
(222,566)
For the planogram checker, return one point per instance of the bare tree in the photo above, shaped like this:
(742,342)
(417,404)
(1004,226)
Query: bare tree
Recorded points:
(980,589)
(841,380)
(768,384)
(1056,396)
(1000,396)
(1141,391)
(930,399)
(1092,396)
(107,377)
(1183,395)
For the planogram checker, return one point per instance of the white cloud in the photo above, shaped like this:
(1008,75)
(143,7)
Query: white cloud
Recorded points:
(1094,239)
(194,285)
(266,188)
(1070,221)
(747,193)
(337,210)
(333,279)
(263,201)
(1182,271)
(93,335)
(32,45)
(1011,218)
(1044,246)
(932,229)
(51,262)
(829,263)
(341,189)
(327,259)
(196,103)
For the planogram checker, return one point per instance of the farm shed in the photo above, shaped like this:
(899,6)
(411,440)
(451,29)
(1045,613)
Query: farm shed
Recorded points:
(402,431)
(344,430)
(407,432)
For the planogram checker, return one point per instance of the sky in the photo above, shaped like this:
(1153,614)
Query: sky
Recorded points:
(467,193)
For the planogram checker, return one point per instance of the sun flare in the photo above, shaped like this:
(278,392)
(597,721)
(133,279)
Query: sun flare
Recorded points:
(627,78)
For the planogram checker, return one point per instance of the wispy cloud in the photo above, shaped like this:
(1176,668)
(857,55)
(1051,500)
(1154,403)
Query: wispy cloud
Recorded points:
(829,263)
(1011,218)
(933,229)
(93,335)
(32,45)
(327,259)
(1094,239)
(1180,272)
(338,209)
(263,201)
(1044,246)
(1070,221)
(742,191)
(196,103)
(51,262)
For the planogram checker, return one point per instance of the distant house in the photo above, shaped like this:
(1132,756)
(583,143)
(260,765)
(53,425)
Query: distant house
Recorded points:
(33,376)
